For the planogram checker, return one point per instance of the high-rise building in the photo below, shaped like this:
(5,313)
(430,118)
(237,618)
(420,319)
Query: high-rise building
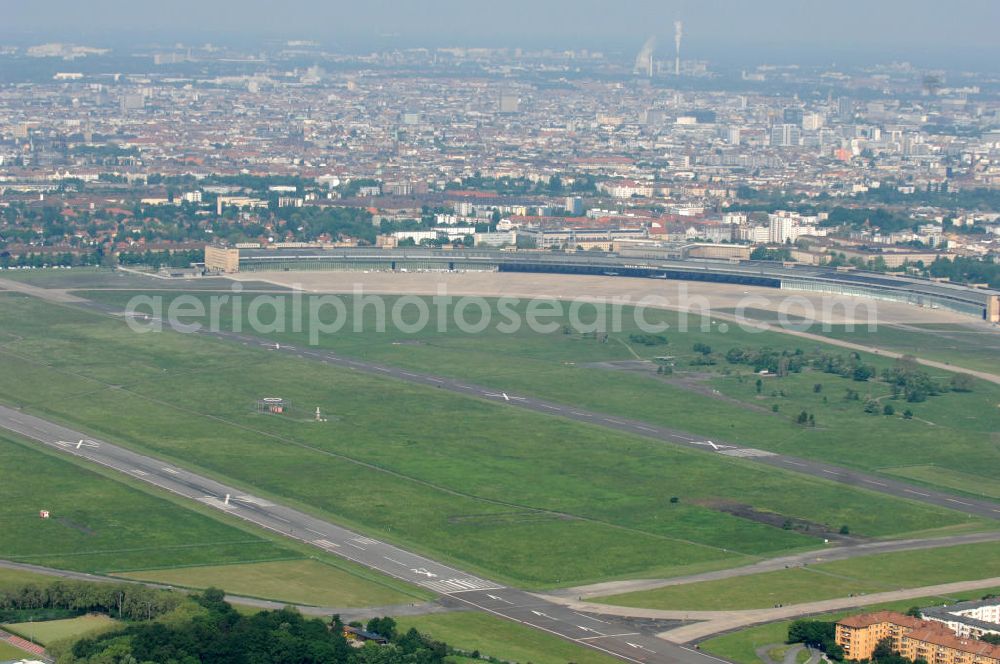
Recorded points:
(574,205)
(793,115)
(785,135)
(781,228)
(812,121)
(509,102)
(132,102)
(845,108)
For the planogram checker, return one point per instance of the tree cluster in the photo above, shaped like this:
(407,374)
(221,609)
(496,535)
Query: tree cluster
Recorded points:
(218,634)
(121,600)
(818,634)
(648,339)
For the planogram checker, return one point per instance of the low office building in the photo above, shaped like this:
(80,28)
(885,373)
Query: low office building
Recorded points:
(968,619)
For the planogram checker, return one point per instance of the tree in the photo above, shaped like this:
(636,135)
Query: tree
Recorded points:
(883,649)
(383,627)
(863,372)
(914,612)
(871,406)
(760,385)
(845,530)
(816,634)
(817,388)
(907,414)
(961,382)
(888,409)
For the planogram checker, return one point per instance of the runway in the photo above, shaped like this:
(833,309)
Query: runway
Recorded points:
(613,636)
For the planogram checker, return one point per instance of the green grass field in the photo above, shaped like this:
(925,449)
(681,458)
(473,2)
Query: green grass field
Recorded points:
(56,630)
(502,639)
(9,652)
(477,483)
(961,345)
(12,578)
(956,431)
(739,646)
(98,525)
(294,581)
(867,574)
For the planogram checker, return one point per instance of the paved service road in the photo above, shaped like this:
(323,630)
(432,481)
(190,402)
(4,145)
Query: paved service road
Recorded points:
(839,552)
(601,633)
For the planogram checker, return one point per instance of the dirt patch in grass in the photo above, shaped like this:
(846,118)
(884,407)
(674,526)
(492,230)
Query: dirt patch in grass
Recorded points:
(776,520)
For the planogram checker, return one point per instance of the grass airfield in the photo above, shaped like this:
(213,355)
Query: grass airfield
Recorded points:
(472,482)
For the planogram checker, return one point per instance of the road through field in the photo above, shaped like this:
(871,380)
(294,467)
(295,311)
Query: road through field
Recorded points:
(701,624)
(774,564)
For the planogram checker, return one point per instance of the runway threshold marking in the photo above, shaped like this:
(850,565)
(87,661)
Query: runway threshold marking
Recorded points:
(605,636)
(584,615)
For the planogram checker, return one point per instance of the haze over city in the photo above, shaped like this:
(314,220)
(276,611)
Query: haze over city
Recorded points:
(961,32)
(500,333)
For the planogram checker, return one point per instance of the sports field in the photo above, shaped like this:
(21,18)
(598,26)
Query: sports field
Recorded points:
(864,575)
(505,640)
(56,630)
(294,581)
(477,483)
(8,651)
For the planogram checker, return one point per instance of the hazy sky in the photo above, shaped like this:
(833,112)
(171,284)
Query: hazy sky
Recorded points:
(833,28)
